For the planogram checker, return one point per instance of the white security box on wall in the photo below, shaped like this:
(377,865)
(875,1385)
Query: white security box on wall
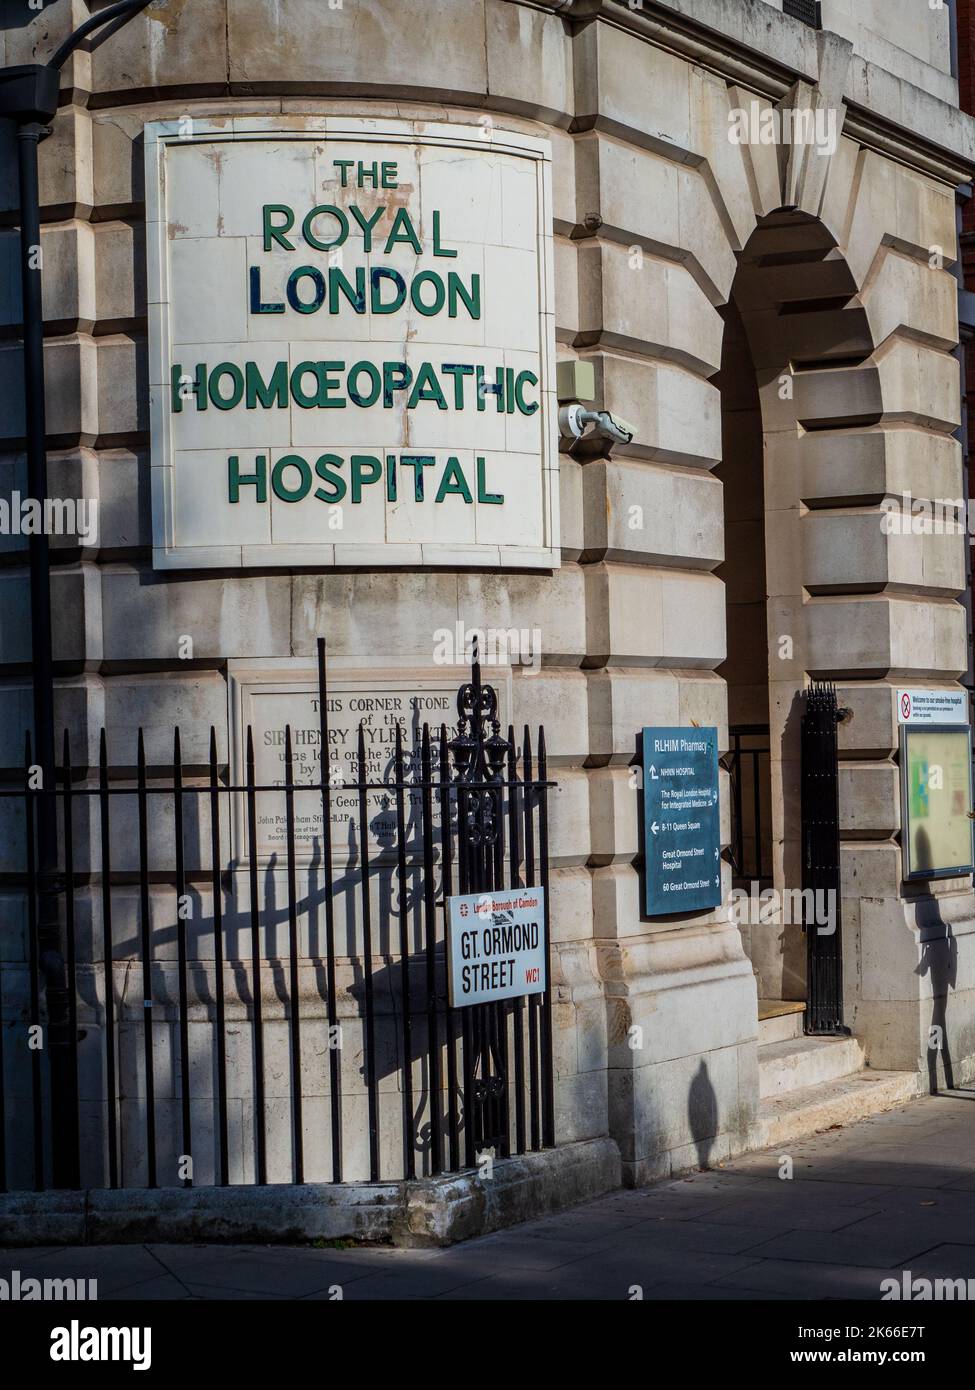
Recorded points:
(351,344)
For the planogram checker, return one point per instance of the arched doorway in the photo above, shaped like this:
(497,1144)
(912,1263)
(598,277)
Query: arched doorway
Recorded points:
(746,669)
(793,311)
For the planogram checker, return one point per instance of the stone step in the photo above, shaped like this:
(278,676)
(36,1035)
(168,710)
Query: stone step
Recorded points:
(779,1020)
(799,1062)
(797,1114)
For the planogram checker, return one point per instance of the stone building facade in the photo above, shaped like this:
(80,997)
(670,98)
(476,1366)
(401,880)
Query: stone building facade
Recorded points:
(777,320)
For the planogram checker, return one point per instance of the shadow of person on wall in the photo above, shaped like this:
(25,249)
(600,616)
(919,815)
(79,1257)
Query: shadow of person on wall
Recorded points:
(702,1114)
(939,959)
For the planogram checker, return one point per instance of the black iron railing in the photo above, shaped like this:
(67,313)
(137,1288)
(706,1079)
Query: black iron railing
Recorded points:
(206,1055)
(747,763)
(821,860)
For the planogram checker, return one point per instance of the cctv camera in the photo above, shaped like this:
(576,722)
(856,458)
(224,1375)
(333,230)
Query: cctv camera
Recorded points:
(571,424)
(574,421)
(611,426)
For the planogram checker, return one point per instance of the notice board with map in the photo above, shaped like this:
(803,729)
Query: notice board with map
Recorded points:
(936,800)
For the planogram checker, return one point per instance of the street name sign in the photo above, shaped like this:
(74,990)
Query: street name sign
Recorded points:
(495,946)
(682,820)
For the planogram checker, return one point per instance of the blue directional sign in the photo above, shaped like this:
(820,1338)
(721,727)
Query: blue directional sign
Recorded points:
(682,820)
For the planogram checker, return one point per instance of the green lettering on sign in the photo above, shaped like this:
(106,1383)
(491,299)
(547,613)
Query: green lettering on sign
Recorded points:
(453,481)
(327,469)
(321,210)
(231,370)
(489,498)
(272,393)
(237,480)
(279,485)
(426,387)
(274,233)
(365,469)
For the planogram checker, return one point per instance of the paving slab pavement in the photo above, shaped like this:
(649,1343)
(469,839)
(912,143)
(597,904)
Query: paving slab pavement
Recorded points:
(827,1218)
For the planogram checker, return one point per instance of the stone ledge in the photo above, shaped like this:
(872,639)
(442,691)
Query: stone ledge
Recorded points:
(425,1212)
(441,1211)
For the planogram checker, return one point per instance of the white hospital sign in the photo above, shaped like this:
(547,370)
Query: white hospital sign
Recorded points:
(932,706)
(351,344)
(495,946)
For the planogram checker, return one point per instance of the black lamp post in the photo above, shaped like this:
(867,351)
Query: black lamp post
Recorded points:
(29,97)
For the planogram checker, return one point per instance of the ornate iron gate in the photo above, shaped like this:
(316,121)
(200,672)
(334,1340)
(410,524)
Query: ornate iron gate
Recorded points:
(219,1035)
(821,898)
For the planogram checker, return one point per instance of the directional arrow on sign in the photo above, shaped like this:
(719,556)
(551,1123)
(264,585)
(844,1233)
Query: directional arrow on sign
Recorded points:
(681,822)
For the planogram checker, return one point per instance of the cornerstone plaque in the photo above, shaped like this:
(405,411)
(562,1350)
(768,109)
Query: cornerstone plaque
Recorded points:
(270,699)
